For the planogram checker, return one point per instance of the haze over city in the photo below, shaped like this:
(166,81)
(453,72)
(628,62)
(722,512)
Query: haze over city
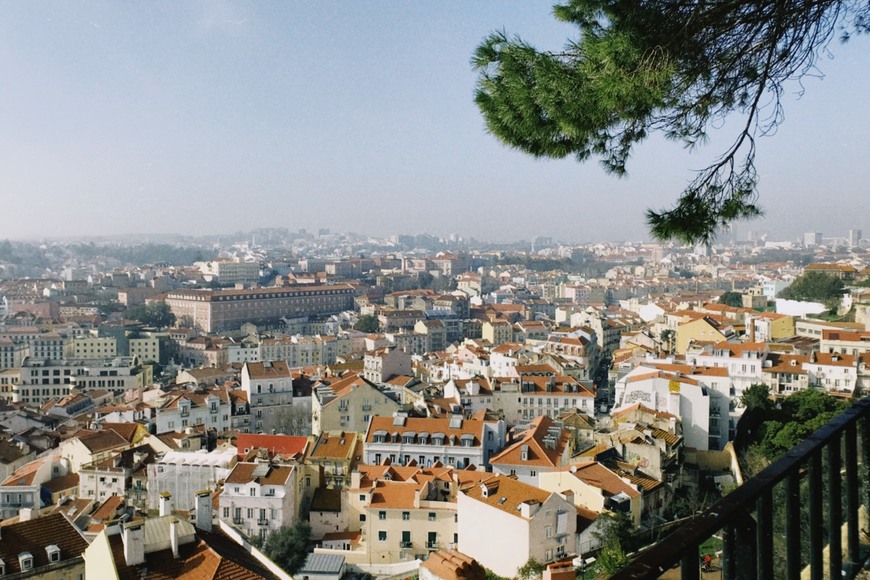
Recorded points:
(204,117)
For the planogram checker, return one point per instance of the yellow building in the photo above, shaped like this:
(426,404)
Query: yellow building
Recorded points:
(704,329)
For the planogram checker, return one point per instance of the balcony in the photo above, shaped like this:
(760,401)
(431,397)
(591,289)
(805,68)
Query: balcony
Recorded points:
(745,517)
(239,521)
(262,522)
(431,545)
(406,544)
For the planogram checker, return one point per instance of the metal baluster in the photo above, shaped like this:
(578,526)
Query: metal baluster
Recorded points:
(816,539)
(729,553)
(793,526)
(852,494)
(835,508)
(690,565)
(764,536)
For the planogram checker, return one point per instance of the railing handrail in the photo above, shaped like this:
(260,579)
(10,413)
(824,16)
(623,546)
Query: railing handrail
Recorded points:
(671,549)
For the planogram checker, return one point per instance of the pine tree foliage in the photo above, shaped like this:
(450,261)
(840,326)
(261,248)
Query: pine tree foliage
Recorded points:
(677,67)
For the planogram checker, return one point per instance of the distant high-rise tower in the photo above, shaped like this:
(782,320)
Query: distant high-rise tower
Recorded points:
(812,239)
(854,238)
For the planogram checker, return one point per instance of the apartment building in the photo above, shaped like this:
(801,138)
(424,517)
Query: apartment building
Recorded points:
(305,351)
(348,404)
(218,310)
(530,523)
(540,446)
(382,364)
(209,407)
(337,454)
(451,441)
(844,342)
(92,347)
(269,387)
(259,498)
(41,380)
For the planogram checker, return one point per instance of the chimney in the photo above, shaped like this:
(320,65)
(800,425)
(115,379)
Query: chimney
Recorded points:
(568,494)
(173,537)
(27,514)
(529,508)
(203,510)
(134,543)
(165,503)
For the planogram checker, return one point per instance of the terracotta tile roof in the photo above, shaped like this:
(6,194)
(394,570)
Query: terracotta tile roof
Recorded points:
(663,375)
(109,509)
(453,565)
(736,349)
(102,440)
(507,494)
(538,452)
(25,474)
(62,483)
(395,495)
(431,426)
(845,336)
(244,473)
(268,369)
(640,408)
(787,363)
(284,445)
(212,555)
(34,535)
(326,500)
(833,359)
(125,430)
(689,369)
(371,473)
(554,386)
(597,475)
(335,445)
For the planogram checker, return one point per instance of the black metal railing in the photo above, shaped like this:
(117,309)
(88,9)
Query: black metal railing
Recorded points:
(745,518)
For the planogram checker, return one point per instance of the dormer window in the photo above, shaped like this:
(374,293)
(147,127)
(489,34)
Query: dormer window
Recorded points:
(53,553)
(2,568)
(25,561)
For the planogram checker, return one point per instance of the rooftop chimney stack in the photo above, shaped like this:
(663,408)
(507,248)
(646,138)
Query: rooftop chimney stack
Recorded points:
(134,543)
(165,503)
(173,537)
(204,516)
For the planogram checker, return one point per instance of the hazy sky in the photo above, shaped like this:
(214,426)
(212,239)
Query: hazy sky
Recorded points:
(208,117)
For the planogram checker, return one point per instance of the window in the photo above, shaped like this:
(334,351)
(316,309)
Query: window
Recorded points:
(431,516)
(226,512)
(362,517)
(362,497)
(382,515)
(406,516)
(382,536)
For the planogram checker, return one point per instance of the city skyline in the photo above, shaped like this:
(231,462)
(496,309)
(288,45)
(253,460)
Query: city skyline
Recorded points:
(207,117)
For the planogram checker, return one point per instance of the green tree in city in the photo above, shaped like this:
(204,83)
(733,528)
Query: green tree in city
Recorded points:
(816,287)
(157,314)
(288,546)
(659,66)
(729,298)
(367,323)
(616,541)
(530,570)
